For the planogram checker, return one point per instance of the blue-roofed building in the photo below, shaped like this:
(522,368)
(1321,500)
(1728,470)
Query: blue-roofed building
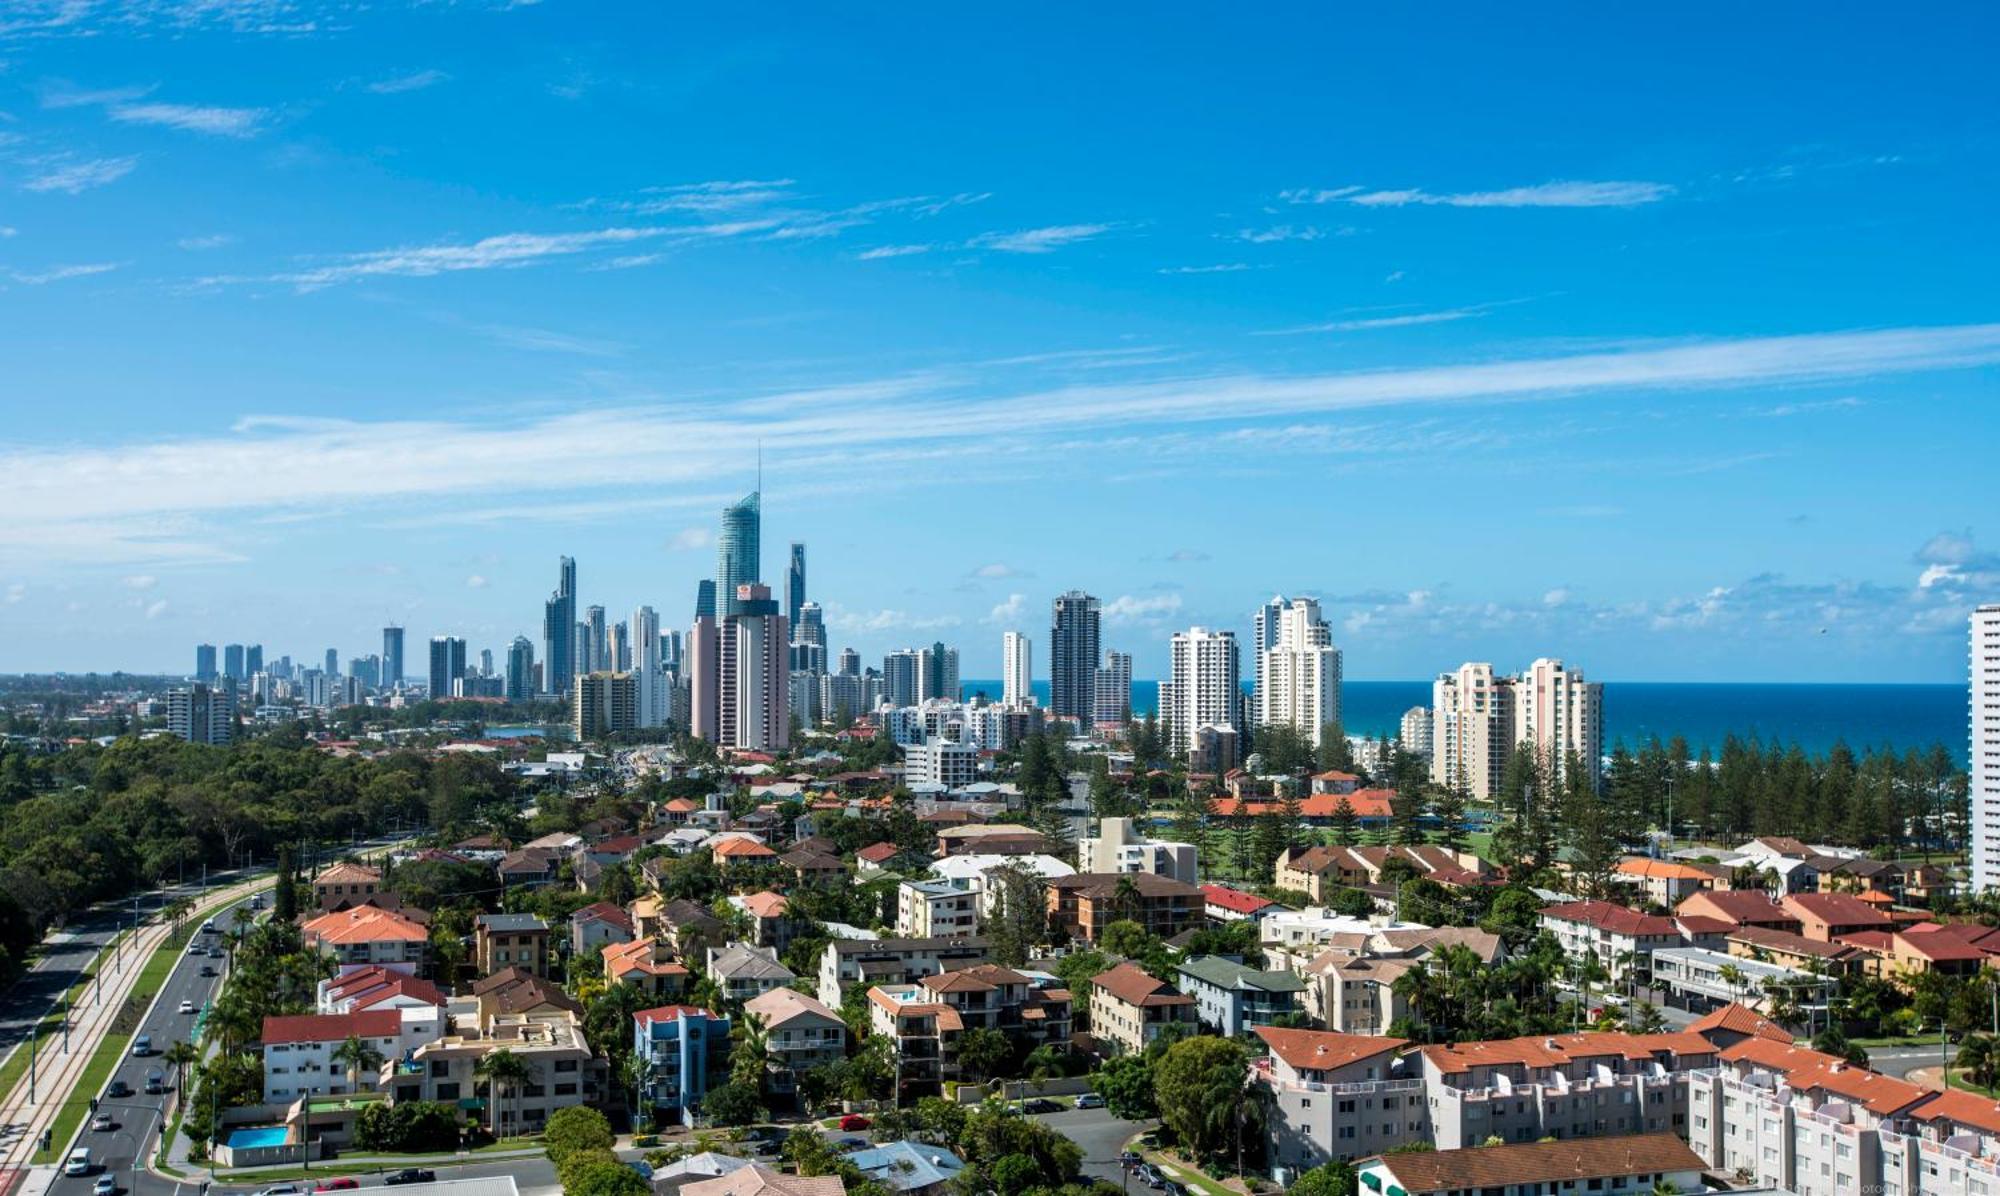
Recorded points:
(913,1168)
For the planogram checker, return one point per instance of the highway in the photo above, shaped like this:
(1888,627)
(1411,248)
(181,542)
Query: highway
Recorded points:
(120,1151)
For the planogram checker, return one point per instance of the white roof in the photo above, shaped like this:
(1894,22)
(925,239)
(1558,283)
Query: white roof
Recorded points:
(969,867)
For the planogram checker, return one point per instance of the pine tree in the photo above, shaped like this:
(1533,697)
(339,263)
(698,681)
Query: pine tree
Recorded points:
(1406,806)
(1268,843)
(1190,822)
(1346,824)
(1448,806)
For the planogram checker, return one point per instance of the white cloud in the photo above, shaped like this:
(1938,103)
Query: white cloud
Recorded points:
(1280,232)
(62,95)
(1561,194)
(1370,323)
(716,196)
(73,177)
(1128,608)
(1040,240)
(504,250)
(689,538)
(193,118)
(156,609)
(999,570)
(1011,611)
(1555,597)
(59,273)
(415,81)
(888,251)
(8,230)
(210,241)
(1223,268)
(141,581)
(871,622)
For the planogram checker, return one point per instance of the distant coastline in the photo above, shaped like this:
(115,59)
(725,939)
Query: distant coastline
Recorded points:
(1814,716)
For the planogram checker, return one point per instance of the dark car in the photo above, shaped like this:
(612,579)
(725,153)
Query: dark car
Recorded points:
(1041,1106)
(208,969)
(1129,1158)
(118,1090)
(411,1175)
(849,1143)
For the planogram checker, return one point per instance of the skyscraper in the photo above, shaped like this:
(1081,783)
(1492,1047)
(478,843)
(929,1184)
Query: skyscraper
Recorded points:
(755,650)
(447,665)
(486,662)
(332,663)
(253,660)
(1984,790)
(1206,686)
(704,598)
(232,661)
(1073,657)
(520,669)
(1560,716)
(1016,670)
(618,649)
(940,674)
(559,630)
(603,702)
(202,713)
(737,551)
(600,644)
(795,585)
(1472,728)
(704,663)
(903,677)
(1114,689)
(392,656)
(648,669)
(1298,675)
(809,639)
(204,663)
(1263,638)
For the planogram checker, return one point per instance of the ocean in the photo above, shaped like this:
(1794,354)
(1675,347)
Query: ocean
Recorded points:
(1812,716)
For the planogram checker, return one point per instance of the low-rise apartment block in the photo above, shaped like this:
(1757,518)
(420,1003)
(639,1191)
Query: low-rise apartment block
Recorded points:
(1084,904)
(947,908)
(1624,1165)
(1561,1086)
(866,962)
(799,1034)
(1233,998)
(1129,1009)
(1335,1096)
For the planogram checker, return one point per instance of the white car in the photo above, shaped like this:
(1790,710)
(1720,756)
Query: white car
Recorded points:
(187,1006)
(105,1186)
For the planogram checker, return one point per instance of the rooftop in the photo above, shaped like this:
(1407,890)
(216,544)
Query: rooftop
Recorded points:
(1478,1167)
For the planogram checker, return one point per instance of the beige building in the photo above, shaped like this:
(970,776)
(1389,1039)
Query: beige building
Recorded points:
(602,703)
(799,1035)
(561,1069)
(1128,1009)
(938,908)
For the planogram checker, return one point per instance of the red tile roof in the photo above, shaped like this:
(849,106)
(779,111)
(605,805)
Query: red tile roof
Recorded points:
(740,848)
(668,1013)
(1536,1050)
(1476,1168)
(332,1027)
(1366,803)
(364,924)
(1736,1019)
(605,911)
(1133,986)
(1322,1050)
(1612,919)
(1804,1068)
(1837,909)
(878,853)
(1966,1108)
(1235,899)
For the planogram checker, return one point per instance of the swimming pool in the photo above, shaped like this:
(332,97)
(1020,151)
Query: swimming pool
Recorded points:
(251,1137)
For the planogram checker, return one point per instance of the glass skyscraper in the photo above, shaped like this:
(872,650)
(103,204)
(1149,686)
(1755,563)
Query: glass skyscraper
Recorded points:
(1073,657)
(559,631)
(738,552)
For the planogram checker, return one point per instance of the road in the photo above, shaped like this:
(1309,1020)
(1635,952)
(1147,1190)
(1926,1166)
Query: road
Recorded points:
(120,1151)
(1101,1136)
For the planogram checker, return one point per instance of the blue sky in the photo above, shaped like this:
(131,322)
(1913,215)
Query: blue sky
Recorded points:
(1662,342)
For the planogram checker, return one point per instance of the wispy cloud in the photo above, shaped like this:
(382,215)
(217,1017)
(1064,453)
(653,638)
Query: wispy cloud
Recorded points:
(415,81)
(79,502)
(688,539)
(1129,608)
(60,273)
(506,250)
(1223,268)
(713,197)
(547,340)
(193,118)
(1040,240)
(1013,610)
(209,241)
(74,177)
(1370,323)
(1281,232)
(888,251)
(1567,193)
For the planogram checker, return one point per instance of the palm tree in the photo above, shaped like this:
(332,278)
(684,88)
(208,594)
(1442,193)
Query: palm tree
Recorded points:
(1733,976)
(1665,1187)
(178,1056)
(1979,1055)
(357,1056)
(501,1069)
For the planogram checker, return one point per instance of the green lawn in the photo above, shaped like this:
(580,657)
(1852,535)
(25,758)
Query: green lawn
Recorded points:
(340,1167)
(115,1042)
(1957,1078)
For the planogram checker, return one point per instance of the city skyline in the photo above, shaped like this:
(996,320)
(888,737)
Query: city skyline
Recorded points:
(1674,361)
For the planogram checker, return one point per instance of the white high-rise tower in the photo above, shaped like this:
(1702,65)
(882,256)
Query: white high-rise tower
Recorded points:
(1298,676)
(1016,670)
(1205,690)
(1985,787)
(648,670)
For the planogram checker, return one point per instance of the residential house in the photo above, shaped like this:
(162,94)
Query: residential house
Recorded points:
(683,1051)
(1084,904)
(594,927)
(1793,950)
(515,990)
(814,867)
(1224,904)
(377,988)
(800,1034)
(771,923)
(991,838)
(690,927)
(911,1168)
(1732,1023)
(1914,950)
(759,1180)
(738,853)
(529,866)
(1129,1009)
(1335,1096)
(649,965)
(1622,1165)
(1830,916)
(369,936)
(1740,907)
(502,941)
(1232,998)
(847,962)
(345,884)
(743,971)
(1664,882)
(875,858)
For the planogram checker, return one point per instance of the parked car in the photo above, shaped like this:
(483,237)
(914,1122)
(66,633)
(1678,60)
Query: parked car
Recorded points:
(1090,1100)
(855,1121)
(1041,1106)
(1173,1188)
(103,1122)
(283,1190)
(849,1143)
(187,1006)
(105,1186)
(411,1175)
(1129,1158)
(337,1184)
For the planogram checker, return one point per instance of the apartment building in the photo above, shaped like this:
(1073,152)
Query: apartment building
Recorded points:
(1084,904)
(799,1034)
(848,962)
(1129,1009)
(561,1069)
(299,1051)
(938,908)
(683,1051)
(926,1019)
(346,883)
(743,971)
(502,941)
(1335,1096)
(368,936)
(1232,998)
(1119,847)
(1619,937)
(1561,1086)
(648,964)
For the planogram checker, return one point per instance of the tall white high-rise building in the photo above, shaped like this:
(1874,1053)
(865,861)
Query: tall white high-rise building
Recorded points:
(1205,689)
(1263,638)
(1414,733)
(1114,689)
(649,673)
(1016,670)
(756,677)
(1472,728)
(1985,745)
(1298,676)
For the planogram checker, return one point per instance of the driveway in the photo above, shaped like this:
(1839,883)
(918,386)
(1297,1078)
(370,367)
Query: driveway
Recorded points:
(1100,1135)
